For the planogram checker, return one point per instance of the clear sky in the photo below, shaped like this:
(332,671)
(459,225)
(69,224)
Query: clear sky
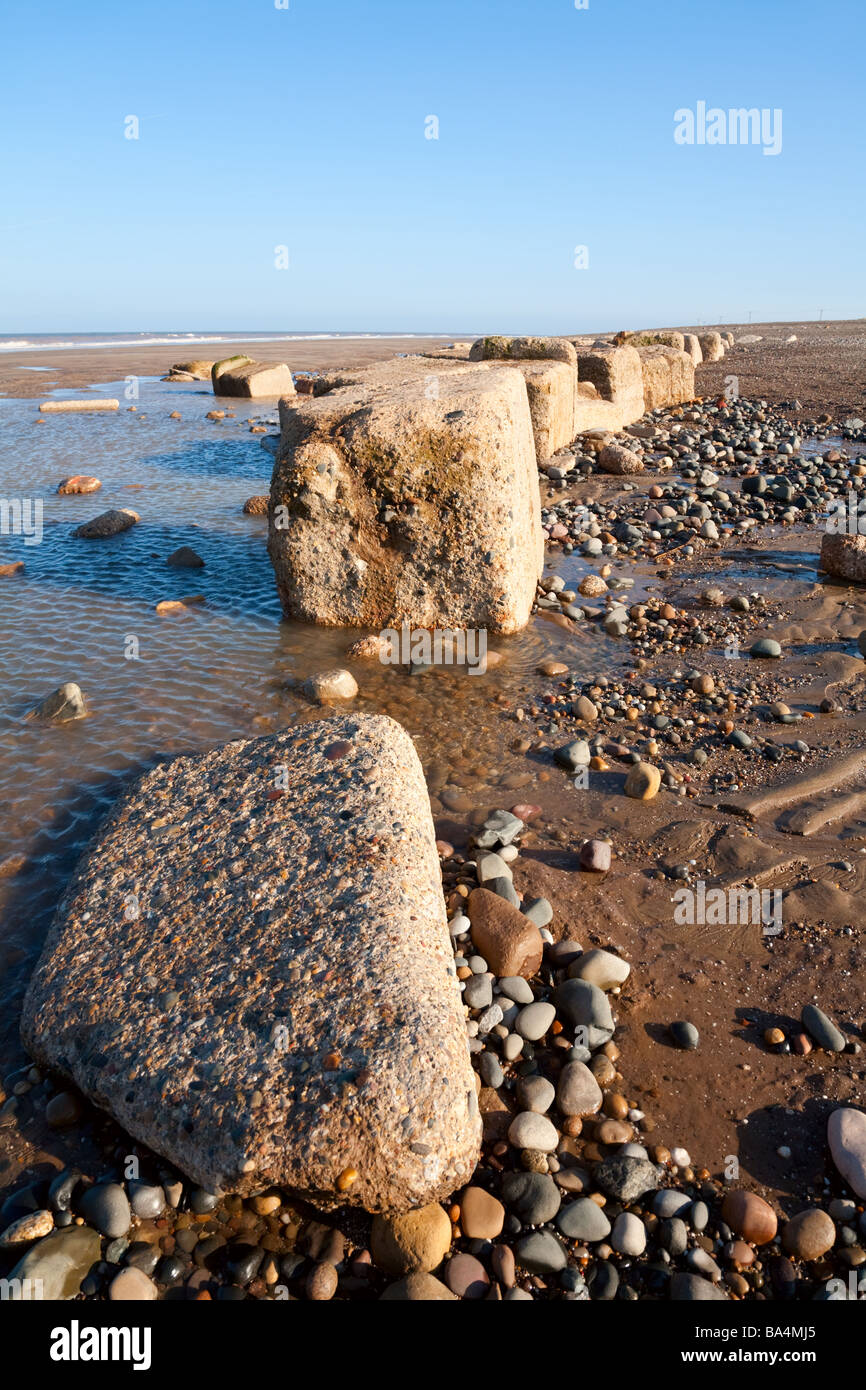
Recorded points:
(304,128)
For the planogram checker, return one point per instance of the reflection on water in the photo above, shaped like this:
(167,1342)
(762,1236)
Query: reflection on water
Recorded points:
(82,609)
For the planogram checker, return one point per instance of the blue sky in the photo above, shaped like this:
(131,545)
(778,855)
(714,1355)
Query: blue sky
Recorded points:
(305,127)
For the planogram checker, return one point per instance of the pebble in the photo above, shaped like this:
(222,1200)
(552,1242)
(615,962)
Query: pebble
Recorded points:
(540,1253)
(534,1021)
(466,1277)
(532,1196)
(417,1240)
(481,1215)
(846,1136)
(531,1131)
(809,1235)
(822,1029)
(685,1035)
(643,782)
(750,1216)
(629,1234)
(132,1285)
(106,1207)
(583,1220)
(535,1093)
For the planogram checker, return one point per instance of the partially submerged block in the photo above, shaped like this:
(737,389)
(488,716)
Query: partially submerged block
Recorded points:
(418,503)
(251,971)
(255,380)
(227,364)
(668,376)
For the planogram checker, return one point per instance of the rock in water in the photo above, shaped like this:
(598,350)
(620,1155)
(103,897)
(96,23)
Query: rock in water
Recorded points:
(62,705)
(254,380)
(288,1012)
(846,1135)
(110,523)
(78,485)
(390,504)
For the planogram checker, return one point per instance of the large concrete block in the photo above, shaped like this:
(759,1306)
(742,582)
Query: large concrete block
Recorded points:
(255,380)
(552,391)
(251,971)
(712,347)
(668,376)
(517,349)
(692,346)
(659,337)
(415,503)
(610,386)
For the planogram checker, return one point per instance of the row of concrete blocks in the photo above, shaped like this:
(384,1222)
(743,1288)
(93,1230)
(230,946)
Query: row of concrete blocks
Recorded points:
(408,491)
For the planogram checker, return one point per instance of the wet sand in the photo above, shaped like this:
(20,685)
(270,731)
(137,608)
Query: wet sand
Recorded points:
(72,368)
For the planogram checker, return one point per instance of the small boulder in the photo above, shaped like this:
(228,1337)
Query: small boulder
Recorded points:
(185,558)
(327,686)
(78,485)
(617,459)
(62,706)
(110,523)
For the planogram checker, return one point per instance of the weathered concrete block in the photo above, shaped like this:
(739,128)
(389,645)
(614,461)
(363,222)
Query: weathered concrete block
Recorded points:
(610,386)
(227,364)
(712,347)
(659,337)
(409,504)
(251,971)
(552,391)
(668,376)
(76,407)
(692,346)
(517,349)
(254,380)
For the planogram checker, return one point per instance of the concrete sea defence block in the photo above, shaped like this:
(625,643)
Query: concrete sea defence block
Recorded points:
(610,386)
(254,380)
(227,364)
(659,337)
(251,971)
(691,345)
(404,505)
(668,376)
(552,391)
(712,347)
(517,349)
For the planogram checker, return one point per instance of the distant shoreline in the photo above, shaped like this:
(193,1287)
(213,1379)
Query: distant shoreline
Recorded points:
(77,368)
